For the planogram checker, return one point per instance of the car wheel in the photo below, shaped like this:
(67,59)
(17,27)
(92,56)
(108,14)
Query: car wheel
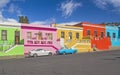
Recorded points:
(50,54)
(28,55)
(57,53)
(64,53)
(35,55)
(74,52)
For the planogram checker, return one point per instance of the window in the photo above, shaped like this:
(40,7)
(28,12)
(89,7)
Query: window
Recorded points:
(62,34)
(17,33)
(102,34)
(95,33)
(77,35)
(39,36)
(108,34)
(88,32)
(114,35)
(38,50)
(4,35)
(70,35)
(29,35)
(49,36)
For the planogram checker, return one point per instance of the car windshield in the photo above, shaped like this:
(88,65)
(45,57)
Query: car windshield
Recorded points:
(64,48)
(33,49)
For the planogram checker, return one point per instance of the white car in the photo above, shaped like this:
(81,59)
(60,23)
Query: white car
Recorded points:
(39,52)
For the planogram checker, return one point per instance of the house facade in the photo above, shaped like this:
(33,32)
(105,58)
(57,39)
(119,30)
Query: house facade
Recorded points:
(113,32)
(97,34)
(39,37)
(71,37)
(19,39)
(10,39)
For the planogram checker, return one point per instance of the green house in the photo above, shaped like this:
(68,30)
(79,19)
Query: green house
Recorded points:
(10,38)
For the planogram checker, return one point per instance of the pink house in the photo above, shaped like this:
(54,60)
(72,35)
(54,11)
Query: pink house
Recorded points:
(38,36)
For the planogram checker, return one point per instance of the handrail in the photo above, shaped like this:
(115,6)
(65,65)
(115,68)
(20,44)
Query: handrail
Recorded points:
(4,45)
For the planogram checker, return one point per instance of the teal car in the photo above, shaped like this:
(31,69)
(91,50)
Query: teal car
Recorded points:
(65,50)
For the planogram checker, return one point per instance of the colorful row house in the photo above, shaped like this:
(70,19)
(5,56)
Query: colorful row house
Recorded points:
(72,37)
(113,32)
(39,37)
(97,34)
(19,39)
(11,42)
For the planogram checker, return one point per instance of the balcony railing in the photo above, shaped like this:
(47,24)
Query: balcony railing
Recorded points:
(84,41)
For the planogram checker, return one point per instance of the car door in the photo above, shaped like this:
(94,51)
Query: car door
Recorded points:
(67,51)
(39,52)
(70,50)
(63,50)
(44,52)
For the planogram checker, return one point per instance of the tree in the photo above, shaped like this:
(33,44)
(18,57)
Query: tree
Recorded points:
(23,19)
(26,19)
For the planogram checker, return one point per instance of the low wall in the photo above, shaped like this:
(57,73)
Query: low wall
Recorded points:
(101,44)
(115,42)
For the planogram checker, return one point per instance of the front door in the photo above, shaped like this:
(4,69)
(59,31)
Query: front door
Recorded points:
(17,37)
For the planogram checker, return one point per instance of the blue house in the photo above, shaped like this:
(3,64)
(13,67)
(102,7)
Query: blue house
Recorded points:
(113,31)
(119,32)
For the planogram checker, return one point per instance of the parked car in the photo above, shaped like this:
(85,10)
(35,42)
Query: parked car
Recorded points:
(66,50)
(39,52)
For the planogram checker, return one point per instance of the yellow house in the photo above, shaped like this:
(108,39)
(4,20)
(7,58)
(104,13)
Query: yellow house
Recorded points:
(72,37)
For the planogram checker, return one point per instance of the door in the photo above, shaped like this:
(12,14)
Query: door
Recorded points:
(41,52)
(17,37)
(44,52)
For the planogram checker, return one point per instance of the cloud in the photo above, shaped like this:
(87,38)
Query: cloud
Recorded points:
(69,23)
(45,22)
(3,3)
(100,3)
(49,22)
(14,9)
(19,13)
(105,4)
(39,22)
(7,20)
(11,20)
(19,0)
(68,7)
(11,8)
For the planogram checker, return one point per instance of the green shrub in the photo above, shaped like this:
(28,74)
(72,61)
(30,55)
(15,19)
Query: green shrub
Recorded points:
(22,41)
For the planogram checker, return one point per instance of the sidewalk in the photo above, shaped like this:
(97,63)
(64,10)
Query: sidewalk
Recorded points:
(11,57)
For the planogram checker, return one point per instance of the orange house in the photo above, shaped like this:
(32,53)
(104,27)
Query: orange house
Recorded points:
(97,34)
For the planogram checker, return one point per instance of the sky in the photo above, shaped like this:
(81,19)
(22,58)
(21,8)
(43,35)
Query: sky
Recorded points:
(60,11)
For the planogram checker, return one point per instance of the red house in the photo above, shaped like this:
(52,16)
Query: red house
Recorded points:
(97,34)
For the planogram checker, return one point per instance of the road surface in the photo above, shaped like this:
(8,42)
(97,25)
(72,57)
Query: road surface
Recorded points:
(96,63)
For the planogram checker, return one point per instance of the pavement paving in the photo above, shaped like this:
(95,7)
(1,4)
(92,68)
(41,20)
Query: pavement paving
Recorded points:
(11,57)
(96,63)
